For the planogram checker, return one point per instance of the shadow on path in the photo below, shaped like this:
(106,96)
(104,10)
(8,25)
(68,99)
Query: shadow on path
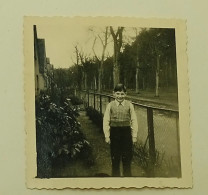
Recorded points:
(101,150)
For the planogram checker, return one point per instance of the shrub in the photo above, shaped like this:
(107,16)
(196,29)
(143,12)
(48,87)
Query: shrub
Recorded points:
(58,134)
(75,100)
(144,161)
(95,116)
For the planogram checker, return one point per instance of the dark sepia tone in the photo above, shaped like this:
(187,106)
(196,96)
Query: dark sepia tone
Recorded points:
(70,103)
(73,65)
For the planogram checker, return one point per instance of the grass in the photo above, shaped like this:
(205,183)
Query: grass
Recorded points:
(101,154)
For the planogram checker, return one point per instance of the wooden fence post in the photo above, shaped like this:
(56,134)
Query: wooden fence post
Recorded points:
(94,99)
(88,98)
(101,104)
(152,151)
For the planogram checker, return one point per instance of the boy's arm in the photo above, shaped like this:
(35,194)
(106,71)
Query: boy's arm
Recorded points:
(134,124)
(106,122)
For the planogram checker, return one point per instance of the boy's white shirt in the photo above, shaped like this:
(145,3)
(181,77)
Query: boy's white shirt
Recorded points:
(133,120)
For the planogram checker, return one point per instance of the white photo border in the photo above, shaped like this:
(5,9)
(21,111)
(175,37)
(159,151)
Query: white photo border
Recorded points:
(183,96)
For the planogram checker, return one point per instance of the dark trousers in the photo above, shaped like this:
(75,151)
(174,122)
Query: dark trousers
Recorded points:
(121,150)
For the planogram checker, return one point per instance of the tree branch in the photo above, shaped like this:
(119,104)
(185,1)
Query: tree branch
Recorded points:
(77,54)
(94,50)
(101,40)
(112,33)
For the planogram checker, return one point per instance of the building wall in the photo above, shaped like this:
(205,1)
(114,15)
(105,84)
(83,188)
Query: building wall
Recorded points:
(40,64)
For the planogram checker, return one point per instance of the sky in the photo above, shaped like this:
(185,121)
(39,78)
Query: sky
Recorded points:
(61,39)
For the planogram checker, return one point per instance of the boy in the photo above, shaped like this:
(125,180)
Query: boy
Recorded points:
(120,130)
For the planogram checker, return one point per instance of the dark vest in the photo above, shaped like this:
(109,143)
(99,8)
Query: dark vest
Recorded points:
(120,115)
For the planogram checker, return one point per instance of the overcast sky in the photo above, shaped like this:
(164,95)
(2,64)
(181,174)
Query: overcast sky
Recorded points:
(60,42)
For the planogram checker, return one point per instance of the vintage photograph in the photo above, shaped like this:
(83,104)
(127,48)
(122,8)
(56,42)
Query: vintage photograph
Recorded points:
(105,102)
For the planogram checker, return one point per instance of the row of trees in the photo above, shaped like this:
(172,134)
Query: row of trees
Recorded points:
(147,61)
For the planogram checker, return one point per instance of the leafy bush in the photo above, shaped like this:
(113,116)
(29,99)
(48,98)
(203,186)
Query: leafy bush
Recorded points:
(95,116)
(75,100)
(144,161)
(58,134)
(142,156)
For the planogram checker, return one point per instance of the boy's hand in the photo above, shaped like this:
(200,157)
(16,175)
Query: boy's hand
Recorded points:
(107,140)
(134,140)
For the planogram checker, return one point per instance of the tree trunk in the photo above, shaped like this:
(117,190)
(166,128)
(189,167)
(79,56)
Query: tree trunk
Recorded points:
(116,65)
(157,77)
(100,76)
(104,43)
(91,84)
(137,79)
(143,83)
(99,80)
(125,83)
(166,73)
(75,92)
(86,81)
(137,68)
(118,40)
(109,84)
(95,83)
(116,73)
(82,82)
(170,72)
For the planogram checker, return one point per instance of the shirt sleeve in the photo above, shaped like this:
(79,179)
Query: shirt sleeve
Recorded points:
(134,124)
(106,122)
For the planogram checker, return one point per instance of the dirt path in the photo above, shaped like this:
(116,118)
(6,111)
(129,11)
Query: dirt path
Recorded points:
(101,150)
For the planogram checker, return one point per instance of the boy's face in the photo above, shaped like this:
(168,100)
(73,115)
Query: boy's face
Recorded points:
(120,96)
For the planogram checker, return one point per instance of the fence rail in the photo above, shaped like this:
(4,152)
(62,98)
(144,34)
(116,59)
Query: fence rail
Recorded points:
(157,126)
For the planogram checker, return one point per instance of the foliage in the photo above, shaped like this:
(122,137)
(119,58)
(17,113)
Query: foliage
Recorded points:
(152,43)
(60,95)
(128,66)
(76,73)
(75,100)
(58,134)
(142,157)
(147,46)
(108,73)
(95,116)
(62,78)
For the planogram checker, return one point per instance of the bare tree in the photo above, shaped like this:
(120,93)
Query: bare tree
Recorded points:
(118,40)
(157,76)
(137,63)
(100,60)
(83,59)
(154,45)
(77,65)
(80,59)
